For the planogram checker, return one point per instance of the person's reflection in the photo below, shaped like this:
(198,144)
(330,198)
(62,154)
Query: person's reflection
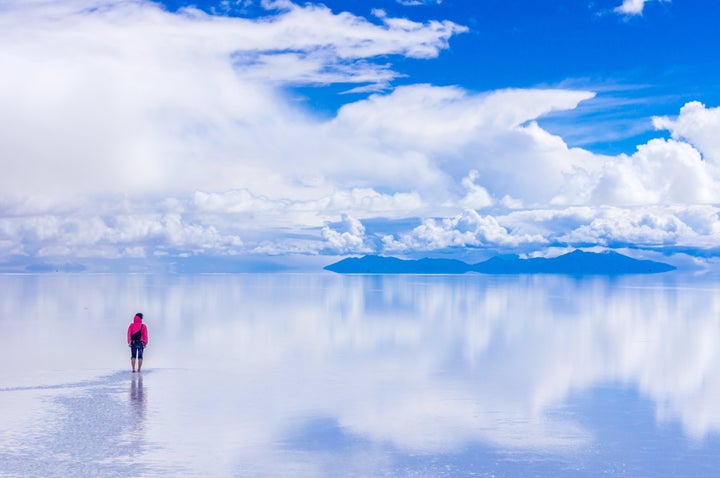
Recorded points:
(138,401)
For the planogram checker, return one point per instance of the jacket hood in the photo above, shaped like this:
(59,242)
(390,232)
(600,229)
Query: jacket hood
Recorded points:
(137,326)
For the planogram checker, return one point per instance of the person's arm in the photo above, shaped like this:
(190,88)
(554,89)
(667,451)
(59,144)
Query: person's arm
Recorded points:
(129,334)
(144,335)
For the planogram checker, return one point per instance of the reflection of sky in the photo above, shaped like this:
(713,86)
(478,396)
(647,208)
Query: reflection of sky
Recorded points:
(322,374)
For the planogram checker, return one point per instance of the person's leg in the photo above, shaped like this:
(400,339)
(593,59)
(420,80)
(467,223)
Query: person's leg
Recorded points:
(140,357)
(133,355)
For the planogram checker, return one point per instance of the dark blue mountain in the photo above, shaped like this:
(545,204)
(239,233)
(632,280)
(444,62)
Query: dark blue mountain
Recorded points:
(575,263)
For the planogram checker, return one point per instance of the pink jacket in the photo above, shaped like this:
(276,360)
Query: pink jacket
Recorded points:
(134,327)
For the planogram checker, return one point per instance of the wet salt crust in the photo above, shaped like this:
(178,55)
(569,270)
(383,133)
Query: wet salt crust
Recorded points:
(327,375)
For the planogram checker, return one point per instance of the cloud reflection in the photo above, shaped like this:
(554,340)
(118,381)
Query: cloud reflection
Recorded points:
(255,372)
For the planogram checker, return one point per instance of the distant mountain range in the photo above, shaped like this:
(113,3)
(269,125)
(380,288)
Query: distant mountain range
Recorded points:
(575,263)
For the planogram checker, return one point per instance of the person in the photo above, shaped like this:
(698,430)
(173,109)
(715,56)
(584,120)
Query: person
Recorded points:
(137,338)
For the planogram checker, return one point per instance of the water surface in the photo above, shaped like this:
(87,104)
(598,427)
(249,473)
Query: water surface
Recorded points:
(330,375)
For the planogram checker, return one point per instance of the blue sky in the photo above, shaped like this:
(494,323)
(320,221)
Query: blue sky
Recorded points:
(141,135)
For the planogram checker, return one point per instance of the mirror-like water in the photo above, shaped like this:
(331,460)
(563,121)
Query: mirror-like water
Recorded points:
(328,375)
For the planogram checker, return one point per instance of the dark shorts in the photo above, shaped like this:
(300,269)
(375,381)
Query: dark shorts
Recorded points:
(136,350)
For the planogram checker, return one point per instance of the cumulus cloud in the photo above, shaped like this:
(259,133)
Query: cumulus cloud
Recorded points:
(649,227)
(660,172)
(111,237)
(466,229)
(442,133)
(548,232)
(349,240)
(681,170)
(694,226)
(697,125)
(477,197)
(114,112)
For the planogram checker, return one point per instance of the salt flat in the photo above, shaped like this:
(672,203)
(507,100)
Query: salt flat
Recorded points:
(327,375)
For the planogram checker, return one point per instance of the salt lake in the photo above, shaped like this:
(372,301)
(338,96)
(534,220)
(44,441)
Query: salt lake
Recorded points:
(321,374)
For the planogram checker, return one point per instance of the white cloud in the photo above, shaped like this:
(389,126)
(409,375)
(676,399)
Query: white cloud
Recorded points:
(443,118)
(698,125)
(288,212)
(648,227)
(415,3)
(129,98)
(124,124)
(544,232)
(633,7)
(547,222)
(237,201)
(442,133)
(466,229)
(111,237)
(660,172)
(348,241)
(477,197)
(693,226)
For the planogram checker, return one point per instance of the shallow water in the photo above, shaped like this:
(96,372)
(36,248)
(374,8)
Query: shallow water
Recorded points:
(329,375)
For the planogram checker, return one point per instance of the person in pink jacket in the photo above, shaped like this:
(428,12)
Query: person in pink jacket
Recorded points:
(137,338)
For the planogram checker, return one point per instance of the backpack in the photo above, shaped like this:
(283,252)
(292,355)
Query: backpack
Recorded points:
(137,336)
